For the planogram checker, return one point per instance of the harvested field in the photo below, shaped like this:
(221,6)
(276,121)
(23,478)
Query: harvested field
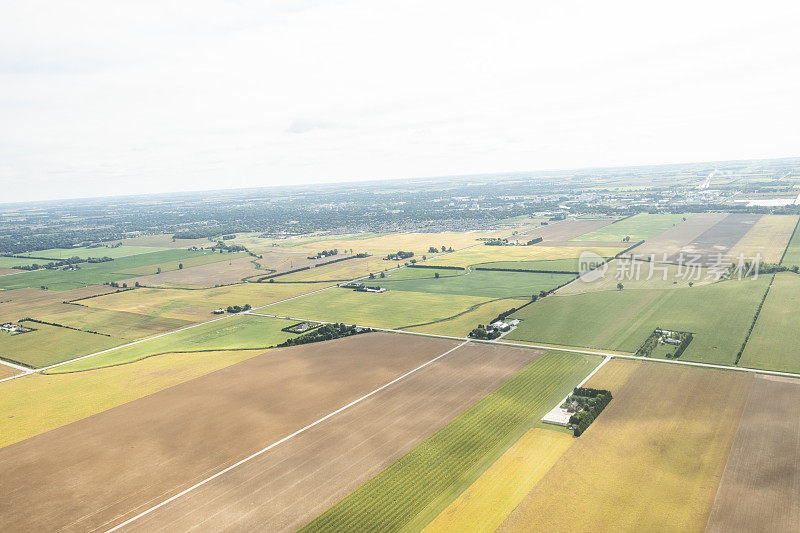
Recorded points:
(289,486)
(651,461)
(19,303)
(209,275)
(343,271)
(7,371)
(37,403)
(772,345)
(760,488)
(672,240)
(487,502)
(768,238)
(720,238)
(169,440)
(7,271)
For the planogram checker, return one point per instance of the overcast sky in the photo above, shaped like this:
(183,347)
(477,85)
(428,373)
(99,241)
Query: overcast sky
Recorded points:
(108,97)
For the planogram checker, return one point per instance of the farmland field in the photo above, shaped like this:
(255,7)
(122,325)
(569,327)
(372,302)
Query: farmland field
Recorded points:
(490,254)
(461,325)
(718,240)
(393,309)
(719,315)
(244,332)
(99,251)
(420,485)
(116,270)
(218,272)
(488,501)
(480,283)
(180,434)
(769,238)
(10,262)
(294,483)
(197,305)
(638,227)
(643,465)
(761,482)
(564,230)
(772,343)
(561,265)
(792,255)
(672,240)
(643,275)
(47,345)
(40,402)
(7,371)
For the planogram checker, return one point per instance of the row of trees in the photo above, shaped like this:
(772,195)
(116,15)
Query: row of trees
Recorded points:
(324,333)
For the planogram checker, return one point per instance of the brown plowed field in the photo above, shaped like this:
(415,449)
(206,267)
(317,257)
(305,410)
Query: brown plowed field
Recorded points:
(719,238)
(760,488)
(99,471)
(286,488)
(564,231)
(671,241)
(4,271)
(6,371)
(209,275)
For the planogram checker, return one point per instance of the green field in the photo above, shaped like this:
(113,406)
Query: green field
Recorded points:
(98,273)
(51,344)
(719,315)
(638,227)
(100,251)
(561,265)
(771,345)
(393,309)
(11,262)
(792,255)
(233,333)
(416,488)
(477,283)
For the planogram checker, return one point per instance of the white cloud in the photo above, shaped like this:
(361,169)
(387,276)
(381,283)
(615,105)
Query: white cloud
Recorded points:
(108,97)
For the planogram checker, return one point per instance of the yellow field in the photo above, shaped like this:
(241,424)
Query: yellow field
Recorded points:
(492,497)
(487,254)
(38,403)
(652,461)
(614,374)
(461,325)
(392,310)
(618,271)
(343,271)
(197,305)
(371,243)
(768,237)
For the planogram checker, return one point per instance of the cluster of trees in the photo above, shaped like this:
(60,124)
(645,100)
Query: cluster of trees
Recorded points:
(400,255)
(229,237)
(325,253)
(482,333)
(650,344)
(435,250)
(324,333)
(237,308)
(769,268)
(360,255)
(222,247)
(72,262)
(591,403)
(496,242)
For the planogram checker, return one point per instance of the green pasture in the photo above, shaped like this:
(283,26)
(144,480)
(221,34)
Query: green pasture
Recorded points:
(48,345)
(792,255)
(233,333)
(100,251)
(719,315)
(569,264)
(638,227)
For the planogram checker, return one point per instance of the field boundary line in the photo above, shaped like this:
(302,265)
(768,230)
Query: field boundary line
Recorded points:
(561,349)
(15,366)
(281,441)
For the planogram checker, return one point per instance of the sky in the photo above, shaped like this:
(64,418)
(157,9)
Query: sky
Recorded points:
(105,97)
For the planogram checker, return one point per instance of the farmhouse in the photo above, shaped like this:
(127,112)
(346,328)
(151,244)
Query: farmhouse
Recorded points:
(13,328)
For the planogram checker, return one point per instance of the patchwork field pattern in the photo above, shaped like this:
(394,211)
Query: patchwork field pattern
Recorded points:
(718,240)
(653,457)
(671,241)
(489,254)
(767,239)
(418,487)
(181,439)
(719,315)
